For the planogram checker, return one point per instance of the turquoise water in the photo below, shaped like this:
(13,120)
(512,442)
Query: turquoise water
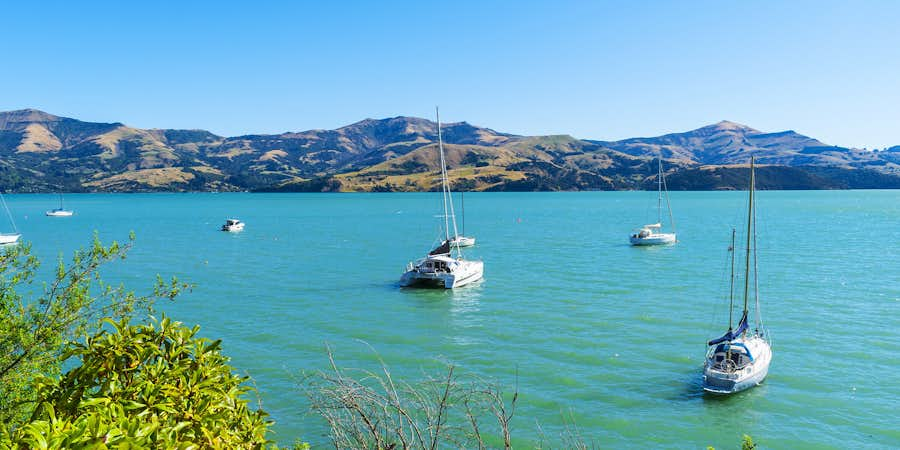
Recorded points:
(603,335)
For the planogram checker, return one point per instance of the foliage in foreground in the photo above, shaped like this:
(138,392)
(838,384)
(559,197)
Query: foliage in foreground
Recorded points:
(35,328)
(144,386)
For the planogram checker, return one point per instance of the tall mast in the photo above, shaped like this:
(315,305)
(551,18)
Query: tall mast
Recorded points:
(749,237)
(462,201)
(448,200)
(731,294)
(659,193)
(437,114)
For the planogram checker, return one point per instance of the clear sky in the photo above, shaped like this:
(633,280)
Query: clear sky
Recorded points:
(598,70)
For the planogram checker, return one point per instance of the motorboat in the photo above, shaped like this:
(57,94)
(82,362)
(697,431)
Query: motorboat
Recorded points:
(233,225)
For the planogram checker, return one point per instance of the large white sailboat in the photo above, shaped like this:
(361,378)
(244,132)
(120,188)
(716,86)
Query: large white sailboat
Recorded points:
(9,238)
(444,266)
(739,359)
(652,234)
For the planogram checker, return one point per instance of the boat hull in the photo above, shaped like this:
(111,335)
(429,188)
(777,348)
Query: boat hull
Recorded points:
(466,272)
(462,241)
(653,239)
(724,383)
(58,213)
(9,238)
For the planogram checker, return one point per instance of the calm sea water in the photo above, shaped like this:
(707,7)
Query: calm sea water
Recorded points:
(602,335)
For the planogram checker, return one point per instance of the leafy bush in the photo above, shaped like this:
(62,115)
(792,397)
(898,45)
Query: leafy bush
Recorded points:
(144,386)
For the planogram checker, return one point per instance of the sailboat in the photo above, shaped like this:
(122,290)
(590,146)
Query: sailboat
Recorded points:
(651,234)
(462,240)
(739,359)
(440,267)
(59,212)
(9,238)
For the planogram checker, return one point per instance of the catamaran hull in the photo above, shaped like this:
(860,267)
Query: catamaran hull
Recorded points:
(470,273)
(7,239)
(657,239)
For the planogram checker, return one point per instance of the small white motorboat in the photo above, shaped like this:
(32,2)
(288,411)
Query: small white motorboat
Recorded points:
(233,225)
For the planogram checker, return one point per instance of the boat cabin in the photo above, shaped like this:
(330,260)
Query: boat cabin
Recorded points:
(730,357)
(437,264)
(647,230)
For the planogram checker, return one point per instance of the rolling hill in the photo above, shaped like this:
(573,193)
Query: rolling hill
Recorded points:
(40,152)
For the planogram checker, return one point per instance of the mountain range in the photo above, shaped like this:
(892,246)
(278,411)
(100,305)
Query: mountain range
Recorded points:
(41,152)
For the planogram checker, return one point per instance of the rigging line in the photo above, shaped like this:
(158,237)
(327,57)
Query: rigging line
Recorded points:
(666,190)
(731,292)
(9,214)
(756,276)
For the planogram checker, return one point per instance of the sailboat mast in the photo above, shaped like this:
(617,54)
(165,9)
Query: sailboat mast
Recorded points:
(731,294)
(659,193)
(749,237)
(462,201)
(437,114)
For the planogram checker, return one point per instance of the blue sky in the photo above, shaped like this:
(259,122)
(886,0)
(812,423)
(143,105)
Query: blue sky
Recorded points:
(599,70)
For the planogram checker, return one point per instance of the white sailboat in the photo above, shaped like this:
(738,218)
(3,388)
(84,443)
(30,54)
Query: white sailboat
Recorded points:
(651,234)
(462,240)
(9,238)
(739,359)
(440,267)
(61,211)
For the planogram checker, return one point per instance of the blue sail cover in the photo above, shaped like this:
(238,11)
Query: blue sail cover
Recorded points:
(742,327)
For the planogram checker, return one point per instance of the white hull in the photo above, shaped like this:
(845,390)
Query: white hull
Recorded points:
(459,273)
(9,238)
(654,239)
(717,380)
(234,229)
(59,213)
(462,241)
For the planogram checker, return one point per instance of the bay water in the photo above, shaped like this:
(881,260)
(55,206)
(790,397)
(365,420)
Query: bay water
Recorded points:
(596,335)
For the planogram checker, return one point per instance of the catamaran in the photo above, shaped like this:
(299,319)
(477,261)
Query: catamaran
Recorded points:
(651,234)
(739,359)
(61,211)
(9,238)
(440,267)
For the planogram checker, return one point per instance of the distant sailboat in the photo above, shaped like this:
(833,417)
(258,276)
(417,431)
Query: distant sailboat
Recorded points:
(652,234)
(440,267)
(9,238)
(61,211)
(462,240)
(739,359)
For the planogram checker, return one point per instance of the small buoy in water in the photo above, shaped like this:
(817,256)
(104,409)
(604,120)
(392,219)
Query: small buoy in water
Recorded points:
(616,355)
